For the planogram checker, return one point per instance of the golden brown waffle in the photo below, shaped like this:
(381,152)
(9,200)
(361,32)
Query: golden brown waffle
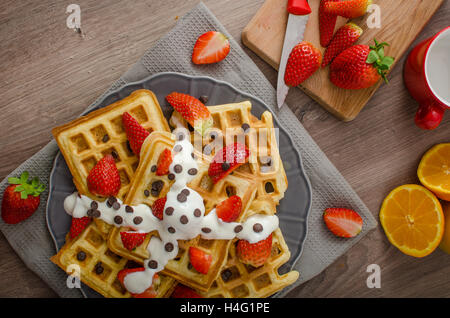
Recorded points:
(84,141)
(97,254)
(180,268)
(265,165)
(238,280)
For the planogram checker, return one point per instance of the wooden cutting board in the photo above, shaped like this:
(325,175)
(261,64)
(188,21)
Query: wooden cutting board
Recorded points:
(401,22)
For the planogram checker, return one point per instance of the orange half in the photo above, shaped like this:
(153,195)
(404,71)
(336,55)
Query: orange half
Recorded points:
(412,219)
(434,170)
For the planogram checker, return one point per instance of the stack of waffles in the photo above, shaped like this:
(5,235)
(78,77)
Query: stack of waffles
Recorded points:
(260,184)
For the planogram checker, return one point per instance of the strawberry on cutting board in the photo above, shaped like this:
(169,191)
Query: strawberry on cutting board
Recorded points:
(349,9)
(229,209)
(327,23)
(164,161)
(136,134)
(131,240)
(21,198)
(343,222)
(344,38)
(149,292)
(78,225)
(226,160)
(254,254)
(182,291)
(210,47)
(192,110)
(104,179)
(304,61)
(200,260)
(360,66)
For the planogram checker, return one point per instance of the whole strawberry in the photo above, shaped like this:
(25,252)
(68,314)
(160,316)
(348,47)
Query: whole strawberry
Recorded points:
(349,9)
(304,61)
(136,134)
(327,23)
(360,66)
(21,198)
(254,254)
(104,179)
(344,38)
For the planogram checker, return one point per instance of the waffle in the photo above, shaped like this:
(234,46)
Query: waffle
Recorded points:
(238,280)
(91,242)
(83,143)
(265,165)
(180,268)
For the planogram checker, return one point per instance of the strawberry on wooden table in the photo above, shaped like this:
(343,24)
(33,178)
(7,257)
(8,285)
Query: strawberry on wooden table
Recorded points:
(200,260)
(78,225)
(192,110)
(104,179)
(210,47)
(229,209)
(343,222)
(344,38)
(158,207)
(136,134)
(149,292)
(133,239)
(349,9)
(21,198)
(164,161)
(304,60)
(182,291)
(327,24)
(226,160)
(254,254)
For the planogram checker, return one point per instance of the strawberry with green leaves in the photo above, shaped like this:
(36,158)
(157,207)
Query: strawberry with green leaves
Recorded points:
(21,198)
(226,160)
(78,225)
(360,66)
(133,239)
(344,38)
(254,254)
(104,179)
(200,260)
(136,134)
(327,23)
(149,292)
(210,47)
(343,222)
(349,9)
(229,209)
(304,60)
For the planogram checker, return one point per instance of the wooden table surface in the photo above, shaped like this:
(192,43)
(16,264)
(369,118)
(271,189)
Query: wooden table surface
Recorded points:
(49,74)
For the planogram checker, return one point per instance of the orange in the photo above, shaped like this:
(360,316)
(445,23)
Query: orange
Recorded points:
(434,170)
(445,243)
(413,220)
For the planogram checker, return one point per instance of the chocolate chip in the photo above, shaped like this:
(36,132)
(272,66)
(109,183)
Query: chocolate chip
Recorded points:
(94,205)
(169,210)
(118,219)
(257,227)
(81,256)
(90,212)
(137,220)
(171,176)
(184,219)
(96,214)
(226,275)
(225,166)
(197,213)
(180,136)
(192,171)
(116,206)
(146,192)
(171,230)
(178,148)
(206,230)
(129,209)
(105,138)
(153,264)
(153,169)
(157,185)
(245,127)
(155,193)
(185,192)
(213,135)
(181,197)
(111,201)
(169,247)
(203,99)
(98,268)
(178,168)
(238,228)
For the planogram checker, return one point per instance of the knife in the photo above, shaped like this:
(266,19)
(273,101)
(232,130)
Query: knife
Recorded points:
(299,11)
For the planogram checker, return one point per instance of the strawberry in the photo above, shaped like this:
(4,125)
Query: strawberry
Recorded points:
(131,240)
(230,209)
(104,179)
(226,160)
(136,134)
(78,225)
(200,260)
(192,110)
(158,207)
(349,9)
(21,198)
(344,38)
(149,292)
(164,162)
(360,66)
(327,23)
(343,222)
(211,47)
(182,291)
(254,254)
(303,62)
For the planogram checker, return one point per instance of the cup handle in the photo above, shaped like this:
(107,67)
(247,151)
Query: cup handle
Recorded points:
(429,116)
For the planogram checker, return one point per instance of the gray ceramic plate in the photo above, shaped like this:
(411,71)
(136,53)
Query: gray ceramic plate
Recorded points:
(293,209)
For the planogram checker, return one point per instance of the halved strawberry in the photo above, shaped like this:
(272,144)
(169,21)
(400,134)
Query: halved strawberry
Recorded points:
(226,160)
(254,254)
(230,209)
(192,110)
(200,260)
(149,292)
(182,291)
(136,134)
(304,60)
(164,161)
(211,47)
(131,240)
(158,207)
(104,179)
(343,222)
(78,225)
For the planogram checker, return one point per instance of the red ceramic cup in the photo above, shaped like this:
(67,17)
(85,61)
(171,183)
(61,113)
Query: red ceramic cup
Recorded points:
(427,77)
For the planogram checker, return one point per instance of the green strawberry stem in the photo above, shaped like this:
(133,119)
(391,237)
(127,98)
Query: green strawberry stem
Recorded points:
(378,60)
(27,187)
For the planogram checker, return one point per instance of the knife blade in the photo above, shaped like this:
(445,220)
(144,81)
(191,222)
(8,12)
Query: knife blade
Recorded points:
(295,30)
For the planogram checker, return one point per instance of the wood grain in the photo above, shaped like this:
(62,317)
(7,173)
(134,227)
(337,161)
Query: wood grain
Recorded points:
(401,21)
(50,74)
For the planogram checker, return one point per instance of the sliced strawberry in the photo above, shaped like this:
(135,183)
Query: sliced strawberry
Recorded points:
(192,110)
(131,240)
(182,291)
(226,160)
(254,254)
(164,161)
(104,178)
(230,209)
(343,222)
(200,260)
(158,207)
(149,292)
(211,47)
(136,134)
(344,38)
(78,225)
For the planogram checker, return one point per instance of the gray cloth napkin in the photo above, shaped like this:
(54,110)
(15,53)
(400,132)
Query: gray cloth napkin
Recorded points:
(31,239)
